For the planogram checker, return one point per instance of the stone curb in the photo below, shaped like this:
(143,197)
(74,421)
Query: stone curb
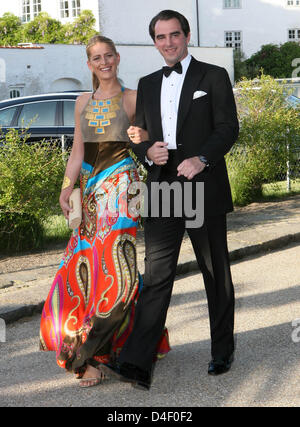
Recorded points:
(239,254)
(22,312)
(30,310)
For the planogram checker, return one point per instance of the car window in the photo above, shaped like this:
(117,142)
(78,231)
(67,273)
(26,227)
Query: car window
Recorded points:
(294,101)
(6,116)
(38,114)
(69,107)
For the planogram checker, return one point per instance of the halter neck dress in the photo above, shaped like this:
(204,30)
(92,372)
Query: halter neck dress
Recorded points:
(89,311)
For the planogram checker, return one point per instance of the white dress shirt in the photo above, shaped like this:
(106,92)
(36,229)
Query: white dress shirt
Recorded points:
(169,102)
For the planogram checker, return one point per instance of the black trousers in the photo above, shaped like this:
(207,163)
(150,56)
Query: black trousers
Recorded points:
(163,238)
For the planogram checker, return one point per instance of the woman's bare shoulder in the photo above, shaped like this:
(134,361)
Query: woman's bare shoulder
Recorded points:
(130,93)
(130,97)
(84,96)
(82,99)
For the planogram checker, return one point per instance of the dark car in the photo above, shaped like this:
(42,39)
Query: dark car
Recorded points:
(48,116)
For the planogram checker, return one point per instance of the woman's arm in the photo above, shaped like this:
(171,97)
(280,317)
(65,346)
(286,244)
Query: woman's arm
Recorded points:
(135,133)
(75,160)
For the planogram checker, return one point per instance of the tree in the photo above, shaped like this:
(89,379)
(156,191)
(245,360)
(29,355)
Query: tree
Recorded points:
(11,30)
(81,30)
(240,67)
(43,29)
(275,60)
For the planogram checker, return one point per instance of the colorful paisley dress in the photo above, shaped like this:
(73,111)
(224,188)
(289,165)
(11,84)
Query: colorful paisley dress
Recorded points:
(89,311)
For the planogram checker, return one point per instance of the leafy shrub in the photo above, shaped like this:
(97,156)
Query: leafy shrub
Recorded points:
(19,231)
(44,29)
(268,133)
(30,181)
(10,29)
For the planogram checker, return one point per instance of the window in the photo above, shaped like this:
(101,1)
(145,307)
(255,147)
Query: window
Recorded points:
(37,7)
(68,112)
(294,35)
(64,9)
(232,4)
(30,9)
(14,93)
(26,10)
(70,8)
(293,2)
(7,115)
(38,114)
(75,8)
(233,39)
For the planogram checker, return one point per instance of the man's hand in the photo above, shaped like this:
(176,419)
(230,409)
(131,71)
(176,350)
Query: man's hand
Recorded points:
(158,153)
(190,167)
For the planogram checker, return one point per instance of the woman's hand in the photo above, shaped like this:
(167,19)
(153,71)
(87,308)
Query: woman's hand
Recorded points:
(64,201)
(137,135)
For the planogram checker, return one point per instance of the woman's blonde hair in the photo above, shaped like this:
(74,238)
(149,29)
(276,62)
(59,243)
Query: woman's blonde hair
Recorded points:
(92,41)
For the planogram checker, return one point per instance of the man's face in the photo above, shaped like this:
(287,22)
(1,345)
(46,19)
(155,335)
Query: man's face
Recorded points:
(171,41)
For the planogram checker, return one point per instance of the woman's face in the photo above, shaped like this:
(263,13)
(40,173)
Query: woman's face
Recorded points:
(103,61)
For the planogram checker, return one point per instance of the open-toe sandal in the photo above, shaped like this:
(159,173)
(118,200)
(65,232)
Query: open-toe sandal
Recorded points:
(92,382)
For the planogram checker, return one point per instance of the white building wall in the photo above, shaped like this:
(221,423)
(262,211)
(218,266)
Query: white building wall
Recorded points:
(35,71)
(127,21)
(261,22)
(13,6)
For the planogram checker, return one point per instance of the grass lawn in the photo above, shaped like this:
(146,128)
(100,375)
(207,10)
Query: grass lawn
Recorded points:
(56,230)
(279,190)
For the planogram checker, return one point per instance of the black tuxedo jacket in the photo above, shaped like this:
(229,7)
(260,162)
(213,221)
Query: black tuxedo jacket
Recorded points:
(206,126)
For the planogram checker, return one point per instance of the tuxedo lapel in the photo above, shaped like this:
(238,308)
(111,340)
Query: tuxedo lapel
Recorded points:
(155,106)
(193,75)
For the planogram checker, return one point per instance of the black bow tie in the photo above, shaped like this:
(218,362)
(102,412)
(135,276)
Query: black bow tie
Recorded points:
(168,70)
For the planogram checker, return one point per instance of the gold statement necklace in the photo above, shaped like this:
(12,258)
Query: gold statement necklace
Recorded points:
(100,112)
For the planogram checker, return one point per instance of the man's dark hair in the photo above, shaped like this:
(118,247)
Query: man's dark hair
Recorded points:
(166,15)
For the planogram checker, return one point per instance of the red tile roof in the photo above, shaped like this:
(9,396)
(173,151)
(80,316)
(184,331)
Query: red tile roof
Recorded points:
(22,47)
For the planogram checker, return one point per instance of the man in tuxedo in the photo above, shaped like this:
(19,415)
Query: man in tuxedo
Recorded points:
(189,112)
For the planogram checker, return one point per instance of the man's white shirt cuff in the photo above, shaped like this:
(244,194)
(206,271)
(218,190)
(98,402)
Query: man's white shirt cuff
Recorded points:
(150,163)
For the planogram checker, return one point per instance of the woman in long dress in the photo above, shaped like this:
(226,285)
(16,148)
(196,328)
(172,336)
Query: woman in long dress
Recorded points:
(89,311)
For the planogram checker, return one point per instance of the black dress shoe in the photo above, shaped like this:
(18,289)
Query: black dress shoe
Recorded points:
(219,366)
(130,373)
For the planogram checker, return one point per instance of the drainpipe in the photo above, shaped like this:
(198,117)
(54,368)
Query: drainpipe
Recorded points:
(198,27)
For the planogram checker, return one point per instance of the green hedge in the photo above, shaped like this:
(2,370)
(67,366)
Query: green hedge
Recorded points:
(269,131)
(30,181)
